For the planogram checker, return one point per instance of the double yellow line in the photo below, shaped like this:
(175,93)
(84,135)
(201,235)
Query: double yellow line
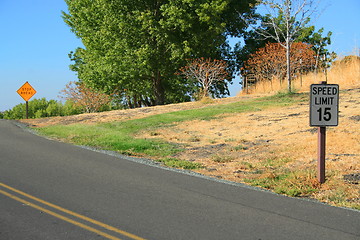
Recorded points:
(64,218)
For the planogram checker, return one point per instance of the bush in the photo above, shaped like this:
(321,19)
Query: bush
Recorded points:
(39,108)
(69,108)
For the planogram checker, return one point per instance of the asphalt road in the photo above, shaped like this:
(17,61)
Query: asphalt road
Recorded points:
(52,190)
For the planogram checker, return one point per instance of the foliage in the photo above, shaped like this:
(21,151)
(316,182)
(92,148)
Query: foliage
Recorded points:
(323,57)
(295,15)
(206,72)
(39,108)
(286,23)
(134,48)
(270,61)
(70,108)
(86,97)
(254,41)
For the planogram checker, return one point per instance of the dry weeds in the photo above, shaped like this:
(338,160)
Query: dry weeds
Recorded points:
(237,147)
(346,74)
(259,145)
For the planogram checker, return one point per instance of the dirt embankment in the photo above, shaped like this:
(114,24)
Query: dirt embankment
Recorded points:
(227,145)
(238,146)
(223,145)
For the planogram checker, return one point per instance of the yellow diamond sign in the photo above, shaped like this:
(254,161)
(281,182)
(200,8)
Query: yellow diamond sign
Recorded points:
(26,91)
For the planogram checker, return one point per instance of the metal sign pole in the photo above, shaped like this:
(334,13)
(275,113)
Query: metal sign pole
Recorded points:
(321,150)
(321,154)
(27,110)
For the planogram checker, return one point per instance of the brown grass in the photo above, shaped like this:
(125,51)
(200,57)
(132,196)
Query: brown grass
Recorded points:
(346,74)
(273,148)
(238,147)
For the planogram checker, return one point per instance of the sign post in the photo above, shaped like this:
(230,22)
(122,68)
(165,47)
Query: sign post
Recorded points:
(324,111)
(26,91)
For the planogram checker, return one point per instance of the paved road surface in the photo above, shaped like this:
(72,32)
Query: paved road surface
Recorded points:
(52,190)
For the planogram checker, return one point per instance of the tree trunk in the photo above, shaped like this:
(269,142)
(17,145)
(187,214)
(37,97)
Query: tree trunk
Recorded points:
(288,67)
(206,86)
(159,91)
(129,101)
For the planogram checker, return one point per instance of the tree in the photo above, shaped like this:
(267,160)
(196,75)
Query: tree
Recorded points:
(269,62)
(38,108)
(139,45)
(88,98)
(254,42)
(323,57)
(284,23)
(206,72)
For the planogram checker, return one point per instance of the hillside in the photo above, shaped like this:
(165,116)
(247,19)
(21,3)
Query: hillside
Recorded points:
(128,114)
(262,147)
(257,140)
(271,147)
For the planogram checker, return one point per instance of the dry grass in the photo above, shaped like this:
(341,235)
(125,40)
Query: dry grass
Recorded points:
(273,143)
(274,148)
(238,147)
(346,74)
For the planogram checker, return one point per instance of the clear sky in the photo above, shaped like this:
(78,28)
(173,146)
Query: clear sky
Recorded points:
(35,42)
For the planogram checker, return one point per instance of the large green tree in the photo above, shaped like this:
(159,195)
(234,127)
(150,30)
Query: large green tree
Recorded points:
(134,48)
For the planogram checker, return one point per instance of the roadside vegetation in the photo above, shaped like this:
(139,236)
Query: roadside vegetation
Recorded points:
(235,158)
(39,108)
(120,136)
(78,99)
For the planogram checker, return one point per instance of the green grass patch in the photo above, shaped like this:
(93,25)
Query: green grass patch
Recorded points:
(177,163)
(119,136)
(291,183)
(111,137)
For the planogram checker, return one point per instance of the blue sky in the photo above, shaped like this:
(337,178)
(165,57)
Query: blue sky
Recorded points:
(35,43)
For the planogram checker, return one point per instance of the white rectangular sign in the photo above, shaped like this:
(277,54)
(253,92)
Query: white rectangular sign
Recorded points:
(324,105)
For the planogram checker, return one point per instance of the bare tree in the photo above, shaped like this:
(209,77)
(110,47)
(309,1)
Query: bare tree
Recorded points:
(285,20)
(206,72)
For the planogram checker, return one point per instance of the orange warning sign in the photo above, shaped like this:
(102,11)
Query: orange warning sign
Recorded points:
(26,91)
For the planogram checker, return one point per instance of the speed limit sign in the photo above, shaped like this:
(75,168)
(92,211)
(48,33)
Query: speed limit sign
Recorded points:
(324,105)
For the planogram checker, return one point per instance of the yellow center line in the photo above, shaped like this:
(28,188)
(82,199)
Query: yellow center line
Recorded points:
(108,227)
(60,216)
